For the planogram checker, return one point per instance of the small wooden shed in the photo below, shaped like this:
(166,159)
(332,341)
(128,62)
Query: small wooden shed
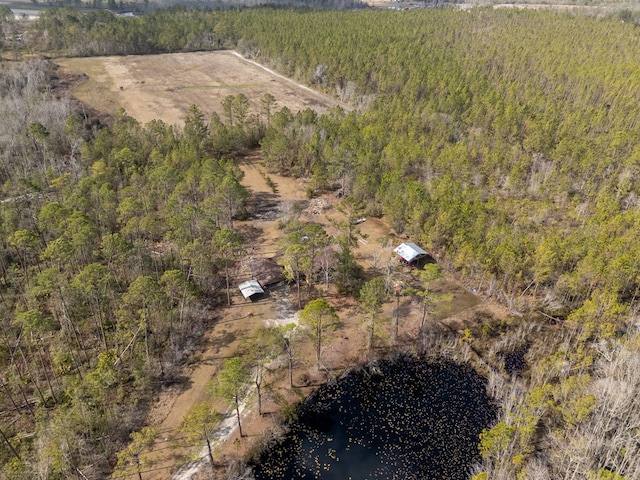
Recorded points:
(267,271)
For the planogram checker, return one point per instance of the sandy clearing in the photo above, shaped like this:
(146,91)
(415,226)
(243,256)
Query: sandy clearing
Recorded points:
(223,338)
(164,86)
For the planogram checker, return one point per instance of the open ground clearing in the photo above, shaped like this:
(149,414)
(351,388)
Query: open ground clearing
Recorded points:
(163,87)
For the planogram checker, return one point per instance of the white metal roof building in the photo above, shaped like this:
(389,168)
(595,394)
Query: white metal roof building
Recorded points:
(250,288)
(409,252)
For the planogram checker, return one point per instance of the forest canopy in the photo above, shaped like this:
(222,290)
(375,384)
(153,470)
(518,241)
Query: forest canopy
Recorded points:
(505,142)
(509,132)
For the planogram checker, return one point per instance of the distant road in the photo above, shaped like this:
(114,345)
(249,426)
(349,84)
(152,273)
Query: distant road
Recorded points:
(25,9)
(31,10)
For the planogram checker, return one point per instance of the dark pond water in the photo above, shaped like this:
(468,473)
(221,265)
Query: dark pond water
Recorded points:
(515,361)
(405,419)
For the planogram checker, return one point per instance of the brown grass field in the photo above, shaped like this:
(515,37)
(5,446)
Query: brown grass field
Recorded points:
(165,86)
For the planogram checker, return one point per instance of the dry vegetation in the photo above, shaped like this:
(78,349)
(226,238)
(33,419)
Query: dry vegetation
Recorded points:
(163,87)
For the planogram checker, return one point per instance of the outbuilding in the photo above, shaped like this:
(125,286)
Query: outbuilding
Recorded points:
(410,253)
(251,290)
(267,271)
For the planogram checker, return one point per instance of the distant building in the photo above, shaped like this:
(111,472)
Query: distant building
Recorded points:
(410,253)
(251,290)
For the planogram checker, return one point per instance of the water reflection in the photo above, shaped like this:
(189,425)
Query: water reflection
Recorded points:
(405,419)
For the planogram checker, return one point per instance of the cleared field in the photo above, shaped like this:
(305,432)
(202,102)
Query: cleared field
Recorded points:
(165,86)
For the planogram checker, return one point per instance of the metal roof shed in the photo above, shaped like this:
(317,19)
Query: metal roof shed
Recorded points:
(250,288)
(409,251)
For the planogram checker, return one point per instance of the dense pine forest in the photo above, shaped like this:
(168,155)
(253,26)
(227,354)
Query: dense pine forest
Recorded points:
(505,142)
(506,130)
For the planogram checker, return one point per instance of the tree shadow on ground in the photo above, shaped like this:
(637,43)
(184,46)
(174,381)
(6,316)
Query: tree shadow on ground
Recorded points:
(224,339)
(264,206)
(249,232)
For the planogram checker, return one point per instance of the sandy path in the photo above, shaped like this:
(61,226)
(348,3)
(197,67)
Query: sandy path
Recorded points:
(221,343)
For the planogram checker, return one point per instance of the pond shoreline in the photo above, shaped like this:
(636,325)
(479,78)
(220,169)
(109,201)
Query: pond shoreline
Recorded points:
(406,417)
